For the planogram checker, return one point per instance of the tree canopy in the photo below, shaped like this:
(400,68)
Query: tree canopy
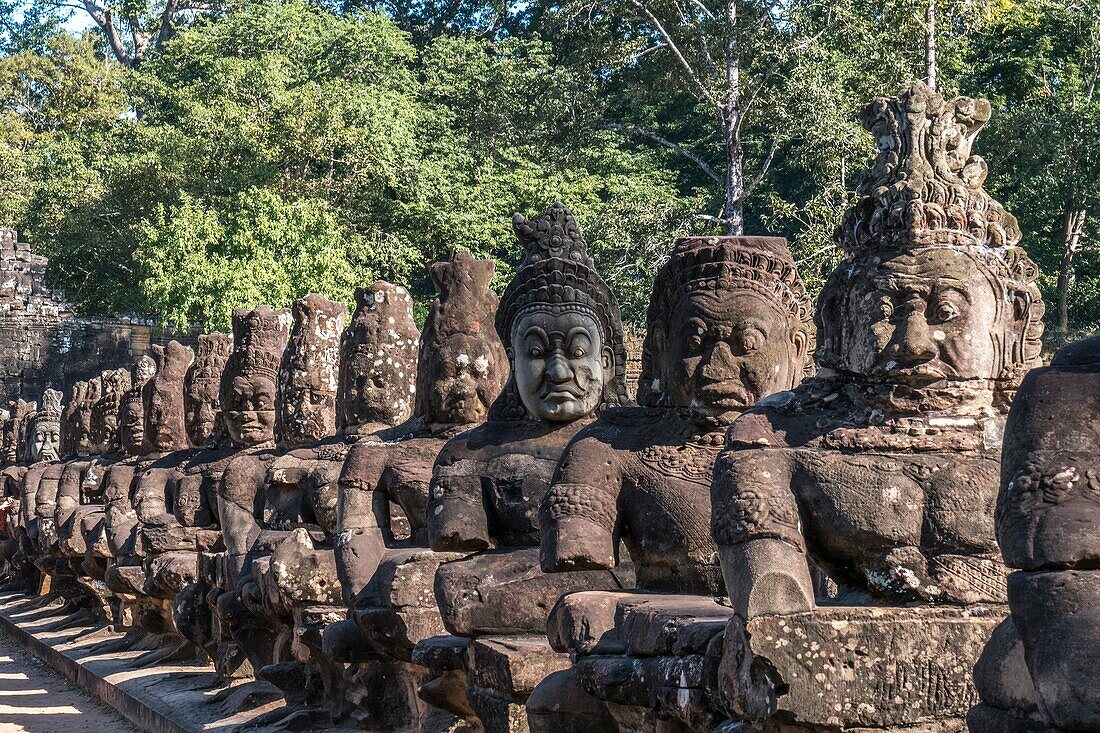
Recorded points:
(185,158)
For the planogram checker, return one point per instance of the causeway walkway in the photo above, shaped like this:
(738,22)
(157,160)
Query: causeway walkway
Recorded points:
(35,699)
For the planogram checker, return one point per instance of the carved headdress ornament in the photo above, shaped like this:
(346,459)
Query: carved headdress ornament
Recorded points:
(557,275)
(141,372)
(259,337)
(51,407)
(212,352)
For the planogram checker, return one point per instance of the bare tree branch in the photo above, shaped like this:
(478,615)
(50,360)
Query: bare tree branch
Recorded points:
(105,20)
(661,140)
(688,69)
(763,169)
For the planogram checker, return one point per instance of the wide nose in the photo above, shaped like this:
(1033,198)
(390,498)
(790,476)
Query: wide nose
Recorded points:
(557,370)
(719,364)
(915,339)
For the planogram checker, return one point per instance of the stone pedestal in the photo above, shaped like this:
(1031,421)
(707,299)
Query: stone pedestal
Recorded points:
(849,668)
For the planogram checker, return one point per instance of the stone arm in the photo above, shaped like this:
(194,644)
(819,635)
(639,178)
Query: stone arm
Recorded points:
(362,518)
(68,493)
(151,498)
(240,498)
(756,524)
(457,520)
(120,519)
(579,517)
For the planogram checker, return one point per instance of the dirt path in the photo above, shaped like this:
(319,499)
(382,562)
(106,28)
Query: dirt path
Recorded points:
(35,699)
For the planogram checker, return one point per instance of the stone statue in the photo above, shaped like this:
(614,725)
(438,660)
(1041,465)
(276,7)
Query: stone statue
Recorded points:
(874,484)
(728,324)
(88,427)
(248,399)
(561,328)
(461,370)
(294,495)
(24,575)
(201,398)
(1037,672)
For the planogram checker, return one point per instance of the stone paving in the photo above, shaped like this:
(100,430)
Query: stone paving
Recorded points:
(35,699)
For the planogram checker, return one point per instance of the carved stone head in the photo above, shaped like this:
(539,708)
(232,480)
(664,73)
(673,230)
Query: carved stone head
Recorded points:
(44,429)
(108,389)
(308,374)
(164,422)
(15,427)
(729,322)
(935,288)
(463,365)
(378,353)
(561,327)
(201,401)
(131,411)
(248,381)
(76,420)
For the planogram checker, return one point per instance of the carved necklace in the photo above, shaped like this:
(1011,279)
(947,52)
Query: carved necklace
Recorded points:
(691,460)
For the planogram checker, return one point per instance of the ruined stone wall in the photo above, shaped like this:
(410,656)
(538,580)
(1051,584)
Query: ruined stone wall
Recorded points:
(42,344)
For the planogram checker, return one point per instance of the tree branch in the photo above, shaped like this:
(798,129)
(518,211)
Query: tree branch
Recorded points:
(692,76)
(693,157)
(763,169)
(105,20)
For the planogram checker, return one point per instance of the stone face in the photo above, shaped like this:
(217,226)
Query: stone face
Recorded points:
(201,398)
(248,380)
(1040,665)
(165,430)
(877,481)
(307,385)
(44,429)
(377,380)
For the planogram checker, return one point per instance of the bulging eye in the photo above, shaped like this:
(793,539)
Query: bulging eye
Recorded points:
(886,308)
(579,353)
(946,311)
(751,339)
(535,352)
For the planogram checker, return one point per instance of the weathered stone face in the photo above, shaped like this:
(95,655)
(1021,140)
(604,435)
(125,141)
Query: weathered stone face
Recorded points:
(131,413)
(378,355)
(559,363)
(248,381)
(163,396)
(201,399)
(462,365)
(926,315)
(76,421)
(15,431)
(109,390)
(44,432)
(308,374)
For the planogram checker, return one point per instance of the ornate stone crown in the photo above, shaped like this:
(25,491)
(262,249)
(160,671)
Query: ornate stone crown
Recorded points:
(259,337)
(141,372)
(51,407)
(212,352)
(557,274)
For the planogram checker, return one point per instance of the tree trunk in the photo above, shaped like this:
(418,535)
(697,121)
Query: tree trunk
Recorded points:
(1073,225)
(733,211)
(930,43)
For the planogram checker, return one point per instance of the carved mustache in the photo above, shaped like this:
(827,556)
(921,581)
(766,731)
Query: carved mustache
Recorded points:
(571,388)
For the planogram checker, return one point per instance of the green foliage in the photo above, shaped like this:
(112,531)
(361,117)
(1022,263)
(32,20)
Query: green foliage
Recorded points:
(273,147)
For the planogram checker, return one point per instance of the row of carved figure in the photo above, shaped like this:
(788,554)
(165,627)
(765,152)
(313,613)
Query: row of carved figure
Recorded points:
(477,528)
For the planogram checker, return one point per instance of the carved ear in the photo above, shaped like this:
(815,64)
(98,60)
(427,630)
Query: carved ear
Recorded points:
(799,342)
(608,359)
